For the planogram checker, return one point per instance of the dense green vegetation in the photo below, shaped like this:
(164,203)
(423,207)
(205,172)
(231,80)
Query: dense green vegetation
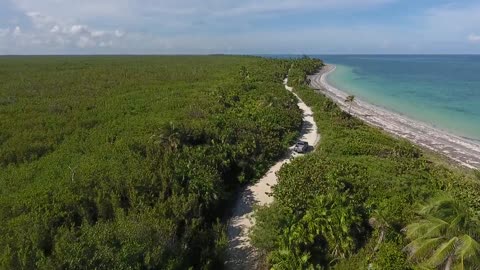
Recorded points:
(444,237)
(352,204)
(129,162)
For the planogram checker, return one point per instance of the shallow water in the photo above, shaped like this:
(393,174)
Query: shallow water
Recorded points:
(443,91)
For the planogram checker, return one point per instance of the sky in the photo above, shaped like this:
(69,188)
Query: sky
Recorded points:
(239,26)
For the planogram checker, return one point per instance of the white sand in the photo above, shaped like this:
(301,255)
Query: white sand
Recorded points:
(460,149)
(241,255)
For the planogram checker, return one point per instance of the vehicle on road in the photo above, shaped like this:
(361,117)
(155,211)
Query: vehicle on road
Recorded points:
(301,147)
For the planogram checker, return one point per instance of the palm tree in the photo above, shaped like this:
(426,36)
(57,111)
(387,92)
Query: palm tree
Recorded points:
(286,258)
(350,100)
(445,237)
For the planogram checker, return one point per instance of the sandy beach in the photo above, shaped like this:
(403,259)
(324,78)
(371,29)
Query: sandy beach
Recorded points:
(460,149)
(241,254)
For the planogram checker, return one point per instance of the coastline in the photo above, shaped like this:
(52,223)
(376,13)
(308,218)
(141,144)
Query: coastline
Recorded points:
(460,149)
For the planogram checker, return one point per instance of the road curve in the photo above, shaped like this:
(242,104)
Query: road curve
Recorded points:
(240,253)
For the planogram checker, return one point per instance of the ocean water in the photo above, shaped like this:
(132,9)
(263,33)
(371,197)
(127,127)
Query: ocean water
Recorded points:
(443,91)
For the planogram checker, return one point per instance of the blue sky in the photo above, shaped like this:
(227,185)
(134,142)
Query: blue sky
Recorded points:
(240,27)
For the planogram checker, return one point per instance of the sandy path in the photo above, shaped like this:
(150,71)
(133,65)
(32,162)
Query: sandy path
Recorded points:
(241,255)
(460,149)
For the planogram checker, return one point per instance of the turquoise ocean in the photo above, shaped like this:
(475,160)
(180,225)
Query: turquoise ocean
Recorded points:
(443,91)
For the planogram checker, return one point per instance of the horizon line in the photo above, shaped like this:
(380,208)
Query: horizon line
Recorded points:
(248,54)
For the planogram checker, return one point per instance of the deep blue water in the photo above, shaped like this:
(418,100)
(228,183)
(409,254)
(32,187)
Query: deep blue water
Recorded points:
(443,91)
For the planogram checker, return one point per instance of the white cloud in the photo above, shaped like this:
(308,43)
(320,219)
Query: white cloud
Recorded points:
(17,31)
(216,26)
(119,33)
(73,9)
(178,15)
(79,29)
(49,35)
(79,23)
(98,33)
(57,26)
(473,38)
(55,29)
(86,42)
(40,21)
(59,21)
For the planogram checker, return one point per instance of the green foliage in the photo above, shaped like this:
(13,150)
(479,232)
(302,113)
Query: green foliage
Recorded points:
(287,257)
(128,162)
(378,175)
(446,236)
(477,174)
(269,224)
(333,217)
(391,257)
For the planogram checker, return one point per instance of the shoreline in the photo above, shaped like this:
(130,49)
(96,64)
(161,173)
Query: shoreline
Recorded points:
(460,149)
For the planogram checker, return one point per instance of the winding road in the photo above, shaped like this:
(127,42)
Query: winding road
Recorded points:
(240,253)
